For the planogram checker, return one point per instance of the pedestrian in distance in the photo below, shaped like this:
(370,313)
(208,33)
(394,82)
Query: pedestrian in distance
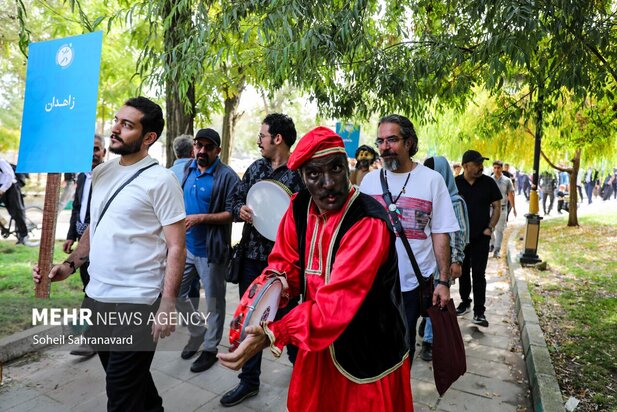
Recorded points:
(481,194)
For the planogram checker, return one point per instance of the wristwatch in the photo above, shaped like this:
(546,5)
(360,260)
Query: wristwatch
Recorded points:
(71,265)
(446,283)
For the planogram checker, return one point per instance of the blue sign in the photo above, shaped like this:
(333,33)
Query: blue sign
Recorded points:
(62,82)
(351,137)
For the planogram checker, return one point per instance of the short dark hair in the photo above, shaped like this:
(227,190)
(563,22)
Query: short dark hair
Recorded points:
(407,130)
(183,146)
(282,124)
(153,120)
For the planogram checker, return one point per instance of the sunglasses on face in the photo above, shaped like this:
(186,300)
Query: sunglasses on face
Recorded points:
(208,146)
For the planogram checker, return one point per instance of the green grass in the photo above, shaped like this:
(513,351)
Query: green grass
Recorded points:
(576,300)
(17,288)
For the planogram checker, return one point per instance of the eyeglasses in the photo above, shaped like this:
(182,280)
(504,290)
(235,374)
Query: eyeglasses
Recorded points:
(209,147)
(390,140)
(261,136)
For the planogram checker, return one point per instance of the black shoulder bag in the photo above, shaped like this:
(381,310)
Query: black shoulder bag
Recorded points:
(129,180)
(425,285)
(234,266)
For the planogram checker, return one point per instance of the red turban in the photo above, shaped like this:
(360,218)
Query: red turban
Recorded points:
(319,142)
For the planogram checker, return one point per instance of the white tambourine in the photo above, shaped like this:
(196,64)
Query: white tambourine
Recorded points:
(269,201)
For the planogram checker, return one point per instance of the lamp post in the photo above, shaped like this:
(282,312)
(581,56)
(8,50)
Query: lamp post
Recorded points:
(529,256)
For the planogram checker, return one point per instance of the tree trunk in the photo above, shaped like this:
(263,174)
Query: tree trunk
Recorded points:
(179,120)
(573,208)
(180,109)
(230,118)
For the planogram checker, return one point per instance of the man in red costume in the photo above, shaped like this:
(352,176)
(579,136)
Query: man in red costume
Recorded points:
(335,247)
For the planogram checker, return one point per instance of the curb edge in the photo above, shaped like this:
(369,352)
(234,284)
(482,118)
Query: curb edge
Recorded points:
(545,392)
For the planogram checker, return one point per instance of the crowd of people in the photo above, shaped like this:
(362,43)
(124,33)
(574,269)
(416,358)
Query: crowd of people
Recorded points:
(148,239)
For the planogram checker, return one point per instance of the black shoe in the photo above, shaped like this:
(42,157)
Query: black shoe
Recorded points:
(462,308)
(84,350)
(422,327)
(204,362)
(192,347)
(239,394)
(480,320)
(426,353)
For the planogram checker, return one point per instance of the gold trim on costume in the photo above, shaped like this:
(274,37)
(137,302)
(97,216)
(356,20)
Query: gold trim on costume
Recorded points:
(275,350)
(354,196)
(309,270)
(365,380)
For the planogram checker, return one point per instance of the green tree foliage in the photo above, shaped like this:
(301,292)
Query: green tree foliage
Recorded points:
(35,20)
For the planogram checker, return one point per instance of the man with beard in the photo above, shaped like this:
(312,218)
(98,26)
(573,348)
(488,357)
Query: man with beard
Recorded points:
(365,159)
(135,244)
(422,202)
(350,327)
(481,193)
(276,136)
(80,219)
(208,186)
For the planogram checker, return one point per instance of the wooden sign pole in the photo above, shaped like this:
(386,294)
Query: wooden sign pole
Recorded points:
(48,234)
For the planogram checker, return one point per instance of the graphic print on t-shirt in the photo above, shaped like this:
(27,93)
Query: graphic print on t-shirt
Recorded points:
(415,215)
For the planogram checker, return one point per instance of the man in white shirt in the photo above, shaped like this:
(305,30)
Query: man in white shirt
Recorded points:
(137,256)
(10,194)
(425,210)
(507,192)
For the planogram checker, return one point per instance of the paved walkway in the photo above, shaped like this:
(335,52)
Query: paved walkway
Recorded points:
(54,380)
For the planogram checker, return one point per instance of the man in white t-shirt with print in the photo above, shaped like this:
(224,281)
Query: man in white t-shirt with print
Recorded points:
(507,192)
(136,258)
(424,208)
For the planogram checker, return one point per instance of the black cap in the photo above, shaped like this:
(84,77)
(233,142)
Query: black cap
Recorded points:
(473,156)
(209,134)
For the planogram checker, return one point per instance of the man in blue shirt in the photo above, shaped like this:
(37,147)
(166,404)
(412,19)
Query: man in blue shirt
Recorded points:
(208,185)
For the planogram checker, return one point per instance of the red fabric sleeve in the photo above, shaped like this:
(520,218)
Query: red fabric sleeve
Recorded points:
(316,323)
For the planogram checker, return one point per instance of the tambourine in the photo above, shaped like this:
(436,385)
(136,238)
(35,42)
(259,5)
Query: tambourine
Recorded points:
(259,303)
(269,200)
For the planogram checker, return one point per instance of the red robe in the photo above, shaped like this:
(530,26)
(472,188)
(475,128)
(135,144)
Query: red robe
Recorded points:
(331,302)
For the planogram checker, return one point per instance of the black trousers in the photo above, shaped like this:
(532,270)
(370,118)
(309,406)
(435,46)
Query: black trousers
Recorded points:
(252,368)
(474,269)
(15,206)
(129,383)
(548,195)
